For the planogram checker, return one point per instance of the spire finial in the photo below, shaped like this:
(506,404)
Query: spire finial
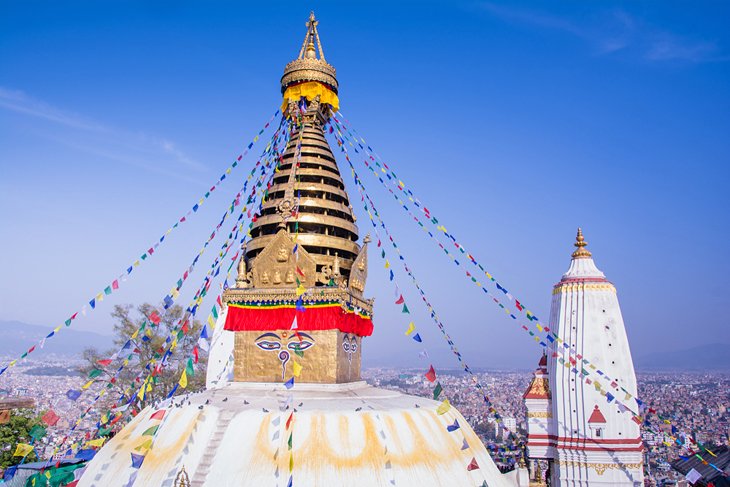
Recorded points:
(308,50)
(580,243)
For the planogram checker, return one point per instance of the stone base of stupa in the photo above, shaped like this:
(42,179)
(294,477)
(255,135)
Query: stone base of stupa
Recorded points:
(341,435)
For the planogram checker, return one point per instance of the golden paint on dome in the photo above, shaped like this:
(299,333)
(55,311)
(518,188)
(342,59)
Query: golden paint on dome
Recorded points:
(580,243)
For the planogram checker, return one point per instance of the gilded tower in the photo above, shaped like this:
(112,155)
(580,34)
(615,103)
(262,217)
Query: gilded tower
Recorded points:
(298,307)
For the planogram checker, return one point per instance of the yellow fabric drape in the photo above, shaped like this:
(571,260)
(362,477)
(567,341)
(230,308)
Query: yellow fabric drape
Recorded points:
(310,90)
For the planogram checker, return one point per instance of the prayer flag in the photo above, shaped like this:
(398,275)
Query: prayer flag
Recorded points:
(104,362)
(443,407)
(290,383)
(473,465)
(96,443)
(294,324)
(183,379)
(411,328)
(23,450)
(37,431)
(296,368)
(405,309)
(189,368)
(431,374)
(50,418)
(417,338)
(137,460)
(453,427)
(437,391)
(151,430)
(73,394)
(400,300)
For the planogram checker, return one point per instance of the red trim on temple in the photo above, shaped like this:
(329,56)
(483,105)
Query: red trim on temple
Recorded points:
(313,318)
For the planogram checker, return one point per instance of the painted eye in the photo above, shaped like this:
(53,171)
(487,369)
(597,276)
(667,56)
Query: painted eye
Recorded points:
(353,346)
(300,345)
(345,346)
(268,345)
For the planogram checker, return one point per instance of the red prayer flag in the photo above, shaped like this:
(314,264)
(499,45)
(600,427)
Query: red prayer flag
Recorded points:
(288,421)
(104,362)
(431,374)
(158,414)
(473,465)
(195,354)
(115,284)
(50,418)
(400,300)
(155,318)
(300,272)
(519,306)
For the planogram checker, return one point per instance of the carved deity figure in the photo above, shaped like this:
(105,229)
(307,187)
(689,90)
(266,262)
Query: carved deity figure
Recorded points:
(282,254)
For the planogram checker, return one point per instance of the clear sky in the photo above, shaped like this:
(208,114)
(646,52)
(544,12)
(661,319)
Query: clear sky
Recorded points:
(514,124)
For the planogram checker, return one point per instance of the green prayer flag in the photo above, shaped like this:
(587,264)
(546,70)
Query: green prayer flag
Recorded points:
(108,290)
(215,312)
(37,431)
(105,431)
(68,322)
(437,391)
(189,368)
(299,352)
(95,373)
(405,309)
(179,283)
(290,440)
(151,431)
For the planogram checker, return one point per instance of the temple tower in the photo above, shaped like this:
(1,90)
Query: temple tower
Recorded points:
(297,309)
(590,440)
(538,402)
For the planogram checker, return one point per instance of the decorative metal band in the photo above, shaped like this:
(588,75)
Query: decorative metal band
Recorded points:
(539,414)
(600,468)
(566,288)
(309,70)
(282,296)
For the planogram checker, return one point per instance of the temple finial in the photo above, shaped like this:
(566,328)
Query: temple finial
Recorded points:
(580,243)
(308,50)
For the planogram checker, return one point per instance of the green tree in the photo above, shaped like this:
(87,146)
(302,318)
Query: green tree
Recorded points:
(149,344)
(15,431)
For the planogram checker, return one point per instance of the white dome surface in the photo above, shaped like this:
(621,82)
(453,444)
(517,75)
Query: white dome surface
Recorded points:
(342,435)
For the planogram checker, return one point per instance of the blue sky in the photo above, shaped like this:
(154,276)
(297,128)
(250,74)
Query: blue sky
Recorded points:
(514,123)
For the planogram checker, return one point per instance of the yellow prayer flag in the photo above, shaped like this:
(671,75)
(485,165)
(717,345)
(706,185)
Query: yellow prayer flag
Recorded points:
(100,297)
(296,368)
(387,264)
(443,407)
(183,380)
(22,450)
(211,321)
(300,290)
(97,442)
(411,328)
(87,385)
(145,445)
(539,327)
(135,334)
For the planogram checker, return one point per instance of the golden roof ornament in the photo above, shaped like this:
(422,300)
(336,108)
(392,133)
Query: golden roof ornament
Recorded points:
(307,66)
(581,252)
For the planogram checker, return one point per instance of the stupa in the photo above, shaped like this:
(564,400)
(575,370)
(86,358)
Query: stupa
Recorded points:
(577,434)
(284,402)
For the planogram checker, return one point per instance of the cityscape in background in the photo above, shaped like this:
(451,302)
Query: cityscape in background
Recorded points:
(696,402)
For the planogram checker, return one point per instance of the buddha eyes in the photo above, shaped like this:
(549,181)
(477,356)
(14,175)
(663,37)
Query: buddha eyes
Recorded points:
(349,345)
(353,346)
(300,345)
(268,345)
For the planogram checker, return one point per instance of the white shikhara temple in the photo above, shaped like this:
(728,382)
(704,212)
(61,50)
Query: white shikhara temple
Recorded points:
(576,435)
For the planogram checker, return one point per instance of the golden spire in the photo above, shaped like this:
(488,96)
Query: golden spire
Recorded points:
(580,244)
(308,66)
